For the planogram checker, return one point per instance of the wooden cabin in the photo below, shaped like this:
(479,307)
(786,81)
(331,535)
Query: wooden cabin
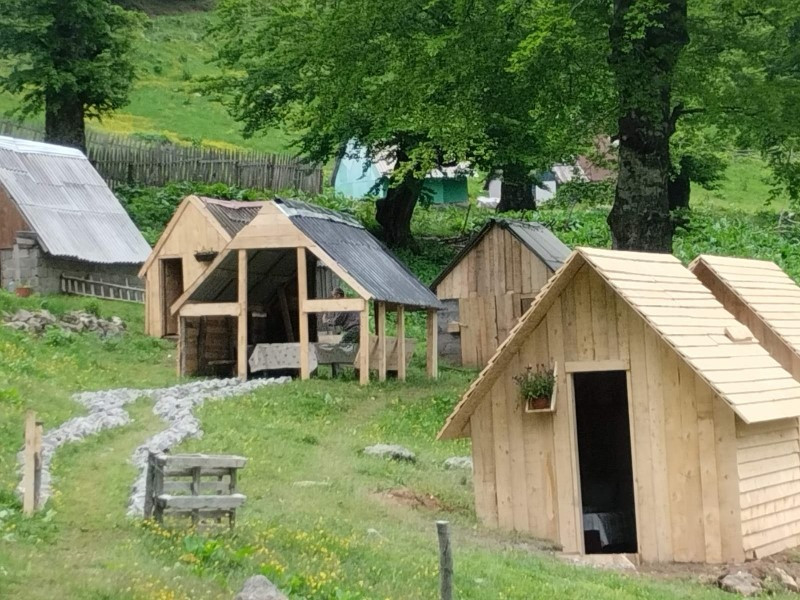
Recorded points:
(671,433)
(762,297)
(490,283)
(198,230)
(250,311)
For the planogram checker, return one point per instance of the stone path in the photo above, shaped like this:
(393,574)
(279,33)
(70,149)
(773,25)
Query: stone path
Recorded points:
(106,410)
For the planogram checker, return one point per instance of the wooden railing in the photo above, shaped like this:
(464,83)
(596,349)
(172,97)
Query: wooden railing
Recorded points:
(101,289)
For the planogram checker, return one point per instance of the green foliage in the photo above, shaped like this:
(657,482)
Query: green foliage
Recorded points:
(535,384)
(72,50)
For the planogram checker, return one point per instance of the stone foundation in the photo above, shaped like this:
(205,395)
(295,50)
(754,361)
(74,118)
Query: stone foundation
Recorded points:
(29,265)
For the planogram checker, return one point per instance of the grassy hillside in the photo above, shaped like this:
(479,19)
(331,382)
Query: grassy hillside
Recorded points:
(173,55)
(365,531)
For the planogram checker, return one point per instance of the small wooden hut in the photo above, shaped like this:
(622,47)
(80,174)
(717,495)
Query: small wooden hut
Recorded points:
(671,432)
(490,283)
(251,309)
(762,297)
(198,230)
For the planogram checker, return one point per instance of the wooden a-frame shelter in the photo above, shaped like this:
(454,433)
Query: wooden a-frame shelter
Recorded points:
(257,291)
(672,433)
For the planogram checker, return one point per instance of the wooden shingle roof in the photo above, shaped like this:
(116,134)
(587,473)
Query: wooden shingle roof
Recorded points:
(684,313)
(762,288)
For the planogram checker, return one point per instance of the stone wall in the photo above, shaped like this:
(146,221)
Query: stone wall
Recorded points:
(27,264)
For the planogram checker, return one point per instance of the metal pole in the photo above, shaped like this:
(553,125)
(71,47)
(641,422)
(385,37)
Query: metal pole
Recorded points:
(445,560)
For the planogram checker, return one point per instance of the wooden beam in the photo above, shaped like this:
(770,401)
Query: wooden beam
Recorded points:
(241,330)
(363,347)
(380,329)
(587,366)
(401,342)
(433,343)
(334,305)
(302,298)
(29,465)
(210,309)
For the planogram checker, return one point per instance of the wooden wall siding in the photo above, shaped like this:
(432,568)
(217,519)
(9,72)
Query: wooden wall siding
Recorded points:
(192,233)
(11,221)
(682,438)
(769,470)
(498,264)
(783,352)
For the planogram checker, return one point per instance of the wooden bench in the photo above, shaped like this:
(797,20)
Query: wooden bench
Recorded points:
(196,485)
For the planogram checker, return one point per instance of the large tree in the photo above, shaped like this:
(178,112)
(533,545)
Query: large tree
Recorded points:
(71,58)
(430,82)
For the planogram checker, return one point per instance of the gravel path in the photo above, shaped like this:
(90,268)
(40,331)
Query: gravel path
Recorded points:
(106,410)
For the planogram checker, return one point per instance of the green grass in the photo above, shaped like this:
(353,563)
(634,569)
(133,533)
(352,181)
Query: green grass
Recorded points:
(173,55)
(745,186)
(348,539)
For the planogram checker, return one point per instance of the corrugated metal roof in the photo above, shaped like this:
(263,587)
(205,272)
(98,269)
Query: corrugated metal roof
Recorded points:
(355,250)
(67,203)
(232,215)
(534,236)
(665,294)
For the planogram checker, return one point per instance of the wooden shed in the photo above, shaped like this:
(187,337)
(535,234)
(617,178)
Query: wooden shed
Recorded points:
(673,433)
(762,297)
(198,230)
(490,283)
(251,308)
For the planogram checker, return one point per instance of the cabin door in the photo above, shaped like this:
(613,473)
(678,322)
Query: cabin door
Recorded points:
(171,290)
(608,506)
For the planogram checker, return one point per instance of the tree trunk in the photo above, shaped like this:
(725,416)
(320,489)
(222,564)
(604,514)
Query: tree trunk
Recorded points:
(678,189)
(517,190)
(643,61)
(394,212)
(63,122)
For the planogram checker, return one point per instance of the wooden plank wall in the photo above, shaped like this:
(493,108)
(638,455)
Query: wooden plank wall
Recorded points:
(768,457)
(205,346)
(490,283)
(192,233)
(683,438)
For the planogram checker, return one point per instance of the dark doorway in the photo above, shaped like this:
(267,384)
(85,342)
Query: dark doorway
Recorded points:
(171,290)
(604,451)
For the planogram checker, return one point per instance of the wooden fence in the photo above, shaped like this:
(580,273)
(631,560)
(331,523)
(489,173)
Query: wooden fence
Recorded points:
(123,160)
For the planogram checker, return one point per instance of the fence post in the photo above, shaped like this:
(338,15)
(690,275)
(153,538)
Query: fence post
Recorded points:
(31,473)
(445,560)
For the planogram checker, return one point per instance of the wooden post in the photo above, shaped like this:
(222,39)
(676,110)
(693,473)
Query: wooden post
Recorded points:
(29,465)
(433,343)
(445,560)
(241,337)
(363,346)
(180,367)
(380,329)
(37,462)
(302,296)
(148,485)
(401,342)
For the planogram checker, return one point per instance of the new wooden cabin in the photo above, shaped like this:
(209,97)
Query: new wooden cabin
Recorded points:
(490,283)
(672,432)
(195,234)
(762,297)
(251,309)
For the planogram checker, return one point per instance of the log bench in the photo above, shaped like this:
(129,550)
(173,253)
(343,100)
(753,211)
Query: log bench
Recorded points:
(196,485)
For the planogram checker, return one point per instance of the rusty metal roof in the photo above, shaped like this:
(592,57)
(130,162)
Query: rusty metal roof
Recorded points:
(232,215)
(66,202)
